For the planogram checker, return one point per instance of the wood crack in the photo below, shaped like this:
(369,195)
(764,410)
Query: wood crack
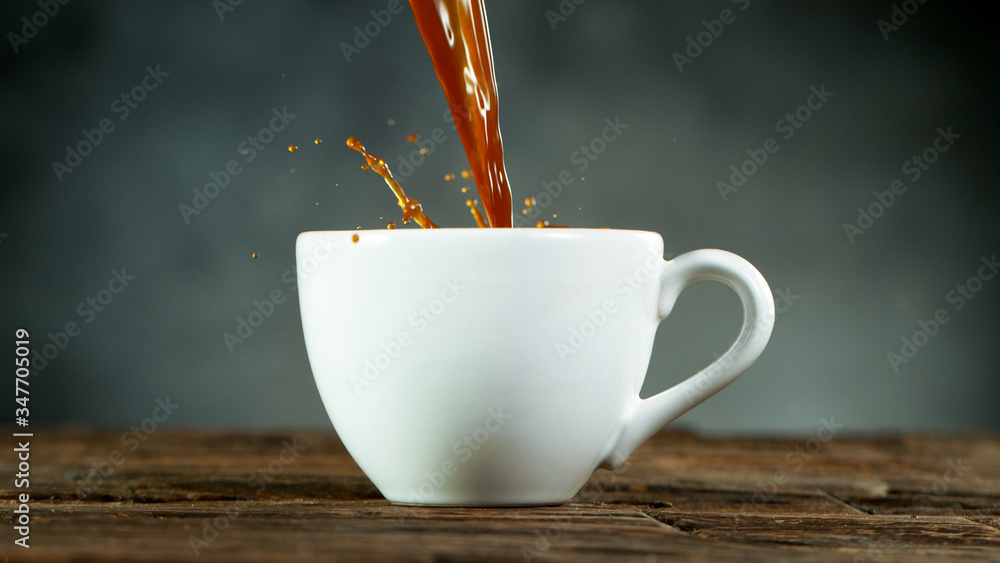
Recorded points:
(661,523)
(846,504)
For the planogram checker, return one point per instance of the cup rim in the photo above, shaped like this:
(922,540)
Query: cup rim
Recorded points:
(520,231)
(471,234)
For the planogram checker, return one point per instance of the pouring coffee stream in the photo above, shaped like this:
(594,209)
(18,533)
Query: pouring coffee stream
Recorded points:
(458,40)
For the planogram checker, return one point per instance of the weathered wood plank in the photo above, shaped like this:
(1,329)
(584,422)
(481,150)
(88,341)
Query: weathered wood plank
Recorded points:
(228,497)
(835,531)
(379,531)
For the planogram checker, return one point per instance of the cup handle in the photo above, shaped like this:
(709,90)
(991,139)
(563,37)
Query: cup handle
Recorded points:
(645,417)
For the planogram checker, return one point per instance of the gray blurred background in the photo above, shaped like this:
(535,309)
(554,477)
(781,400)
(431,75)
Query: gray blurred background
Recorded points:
(844,305)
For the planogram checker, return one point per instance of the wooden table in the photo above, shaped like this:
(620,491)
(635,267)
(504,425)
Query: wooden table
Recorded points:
(299,496)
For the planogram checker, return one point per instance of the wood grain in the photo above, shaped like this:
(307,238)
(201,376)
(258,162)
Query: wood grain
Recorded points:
(227,496)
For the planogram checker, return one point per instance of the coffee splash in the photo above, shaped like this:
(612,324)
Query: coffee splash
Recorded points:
(411,207)
(457,37)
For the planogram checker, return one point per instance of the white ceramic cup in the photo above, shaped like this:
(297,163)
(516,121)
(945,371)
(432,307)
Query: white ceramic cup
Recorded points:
(502,366)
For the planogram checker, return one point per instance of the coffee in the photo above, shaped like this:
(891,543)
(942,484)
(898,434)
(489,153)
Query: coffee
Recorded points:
(458,40)
(411,207)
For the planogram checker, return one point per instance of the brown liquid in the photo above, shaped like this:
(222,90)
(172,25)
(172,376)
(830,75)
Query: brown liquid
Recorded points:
(458,39)
(411,207)
(476,214)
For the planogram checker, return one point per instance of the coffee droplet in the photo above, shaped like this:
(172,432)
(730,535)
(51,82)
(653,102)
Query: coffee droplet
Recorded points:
(318,141)
(449,177)
(391,226)
(529,202)
(423,150)
(476,213)
(364,167)
(465,189)
(293,148)
(255,255)
(542,224)
(355,238)
(412,137)
(466,174)
(391,121)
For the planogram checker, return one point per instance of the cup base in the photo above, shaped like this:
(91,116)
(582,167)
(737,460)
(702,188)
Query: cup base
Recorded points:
(479,505)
